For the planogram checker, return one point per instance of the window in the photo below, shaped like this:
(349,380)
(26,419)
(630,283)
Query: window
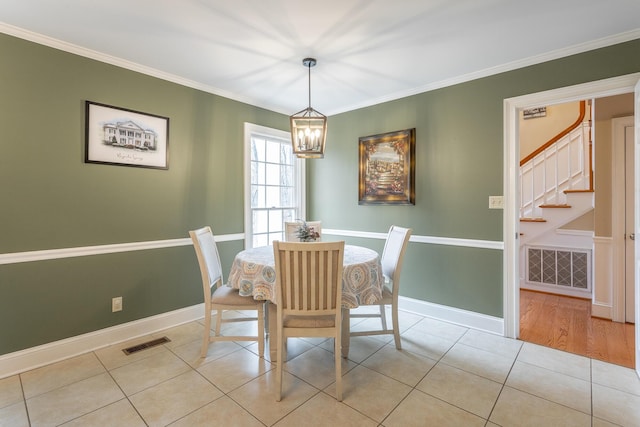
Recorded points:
(274,185)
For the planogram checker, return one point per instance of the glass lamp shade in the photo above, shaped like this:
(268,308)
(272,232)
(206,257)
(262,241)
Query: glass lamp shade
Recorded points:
(308,133)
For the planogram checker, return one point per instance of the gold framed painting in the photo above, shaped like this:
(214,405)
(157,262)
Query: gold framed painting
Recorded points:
(387,168)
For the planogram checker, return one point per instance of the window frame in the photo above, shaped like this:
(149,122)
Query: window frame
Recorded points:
(251,130)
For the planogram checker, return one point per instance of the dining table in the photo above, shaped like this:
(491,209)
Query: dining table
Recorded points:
(253,274)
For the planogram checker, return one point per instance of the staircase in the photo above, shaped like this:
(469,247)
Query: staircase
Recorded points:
(556,184)
(555,216)
(556,187)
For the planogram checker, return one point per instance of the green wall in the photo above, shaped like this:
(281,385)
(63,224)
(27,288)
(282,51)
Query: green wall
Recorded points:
(459,164)
(50,198)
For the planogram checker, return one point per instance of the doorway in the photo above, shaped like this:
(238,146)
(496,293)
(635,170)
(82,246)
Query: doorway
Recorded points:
(553,319)
(512,106)
(565,323)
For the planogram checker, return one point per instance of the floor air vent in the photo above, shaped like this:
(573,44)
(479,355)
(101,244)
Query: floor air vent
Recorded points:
(566,267)
(145,345)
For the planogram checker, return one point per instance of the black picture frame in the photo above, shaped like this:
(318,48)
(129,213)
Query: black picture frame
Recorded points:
(123,137)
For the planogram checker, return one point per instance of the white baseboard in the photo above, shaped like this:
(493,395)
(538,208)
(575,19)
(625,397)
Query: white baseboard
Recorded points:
(604,277)
(34,357)
(469,319)
(31,358)
(558,290)
(603,311)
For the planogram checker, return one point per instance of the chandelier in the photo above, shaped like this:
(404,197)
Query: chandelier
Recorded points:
(308,127)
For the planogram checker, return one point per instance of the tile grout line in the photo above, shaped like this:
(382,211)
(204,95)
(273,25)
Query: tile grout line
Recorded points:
(504,384)
(24,399)
(414,388)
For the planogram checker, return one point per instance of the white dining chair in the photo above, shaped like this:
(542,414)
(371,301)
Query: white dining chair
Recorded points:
(219,297)
(392,258)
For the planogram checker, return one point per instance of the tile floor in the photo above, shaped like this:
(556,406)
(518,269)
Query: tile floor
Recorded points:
(446,375)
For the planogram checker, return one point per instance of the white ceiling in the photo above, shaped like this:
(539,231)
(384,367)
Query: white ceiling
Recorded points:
(368,51)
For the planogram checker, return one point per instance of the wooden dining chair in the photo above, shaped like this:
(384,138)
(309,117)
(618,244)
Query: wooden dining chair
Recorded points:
(220,297)
(392,258)
(309,297)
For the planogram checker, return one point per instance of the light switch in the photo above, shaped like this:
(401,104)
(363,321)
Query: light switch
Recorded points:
(495,202)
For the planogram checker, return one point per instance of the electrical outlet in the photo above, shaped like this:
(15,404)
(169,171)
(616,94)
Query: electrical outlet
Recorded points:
(495,202)
(116,304)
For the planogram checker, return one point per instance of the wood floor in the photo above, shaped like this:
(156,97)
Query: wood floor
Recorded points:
(566,324)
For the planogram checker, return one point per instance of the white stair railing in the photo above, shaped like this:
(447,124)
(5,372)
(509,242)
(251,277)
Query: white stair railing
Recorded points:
(562,166)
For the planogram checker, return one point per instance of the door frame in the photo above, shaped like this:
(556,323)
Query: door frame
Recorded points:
(636,174)
(618,203)
(511,223)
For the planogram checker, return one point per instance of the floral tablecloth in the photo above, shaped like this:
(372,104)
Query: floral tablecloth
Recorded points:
(253,272)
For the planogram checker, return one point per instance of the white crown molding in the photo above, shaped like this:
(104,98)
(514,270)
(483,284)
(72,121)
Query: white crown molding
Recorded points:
(510,66)
(119,62)
(129,65)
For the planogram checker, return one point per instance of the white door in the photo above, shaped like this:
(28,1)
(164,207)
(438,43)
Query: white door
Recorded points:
(629,245)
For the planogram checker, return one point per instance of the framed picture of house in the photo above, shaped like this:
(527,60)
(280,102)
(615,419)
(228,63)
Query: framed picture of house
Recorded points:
(123,137)
(387,168)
